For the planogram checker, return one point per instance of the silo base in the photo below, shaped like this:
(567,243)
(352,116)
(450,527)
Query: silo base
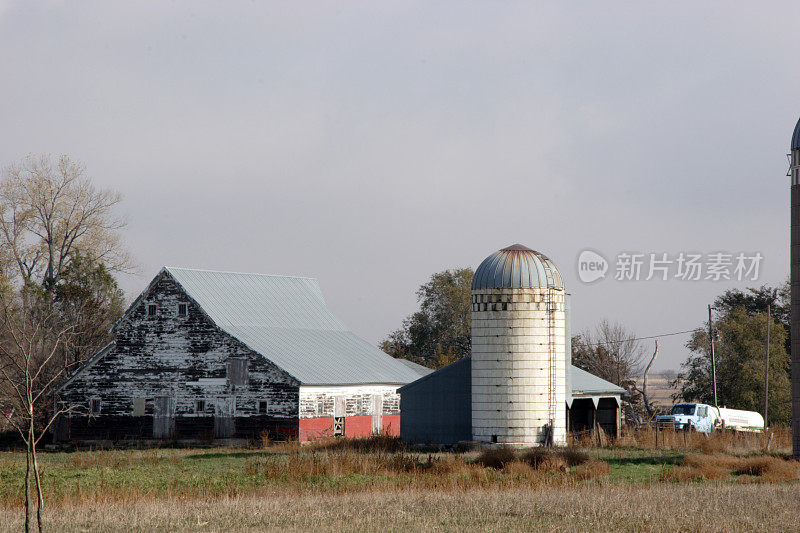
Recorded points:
(523,438)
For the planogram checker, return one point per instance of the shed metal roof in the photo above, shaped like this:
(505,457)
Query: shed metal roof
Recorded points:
(584,382)
(286,320)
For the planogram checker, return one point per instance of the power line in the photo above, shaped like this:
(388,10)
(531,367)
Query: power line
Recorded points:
(640,338)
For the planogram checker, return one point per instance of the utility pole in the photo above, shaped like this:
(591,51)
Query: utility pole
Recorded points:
(766,371)
(713,360)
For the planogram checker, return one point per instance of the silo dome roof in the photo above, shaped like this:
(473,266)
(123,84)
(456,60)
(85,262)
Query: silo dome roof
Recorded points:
(796,137)
(517,267)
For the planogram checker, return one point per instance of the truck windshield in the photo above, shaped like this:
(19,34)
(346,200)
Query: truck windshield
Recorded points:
(683,409)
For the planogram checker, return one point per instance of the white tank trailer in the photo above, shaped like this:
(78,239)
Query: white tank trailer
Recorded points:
(518,350)
(707,418)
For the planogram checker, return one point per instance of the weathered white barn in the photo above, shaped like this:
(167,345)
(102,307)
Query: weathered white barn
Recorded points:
(204,354)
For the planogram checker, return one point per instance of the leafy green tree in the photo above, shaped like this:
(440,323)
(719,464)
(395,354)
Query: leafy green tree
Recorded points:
(440,332)
(740,360)
(756,300)
(87,296)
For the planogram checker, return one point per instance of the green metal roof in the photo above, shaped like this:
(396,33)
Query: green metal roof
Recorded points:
(584,382)
(286,320)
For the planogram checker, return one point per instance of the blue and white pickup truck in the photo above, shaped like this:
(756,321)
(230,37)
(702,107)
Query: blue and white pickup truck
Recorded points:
(706,418)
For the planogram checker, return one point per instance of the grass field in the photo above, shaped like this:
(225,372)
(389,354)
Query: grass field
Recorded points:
(375,485)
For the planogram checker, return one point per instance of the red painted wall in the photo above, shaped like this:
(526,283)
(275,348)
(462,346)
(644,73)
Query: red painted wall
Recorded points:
(354,426)
(391,425)
(358,426)
(315,428)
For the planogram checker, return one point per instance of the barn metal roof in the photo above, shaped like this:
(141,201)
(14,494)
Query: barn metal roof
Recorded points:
(419,369)
(796,137)
(286,320)
(517,267)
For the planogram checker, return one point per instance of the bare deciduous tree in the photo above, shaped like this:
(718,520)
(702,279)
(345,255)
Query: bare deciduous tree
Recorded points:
(31,336)
(609,351)
(646,399)
(48,209)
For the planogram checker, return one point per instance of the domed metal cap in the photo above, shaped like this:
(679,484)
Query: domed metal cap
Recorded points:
(517,267)
(796,137)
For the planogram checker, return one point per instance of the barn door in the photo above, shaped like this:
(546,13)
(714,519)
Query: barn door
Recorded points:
(61,428)
(339,413)
(164,417)
(377,414)
(224,409)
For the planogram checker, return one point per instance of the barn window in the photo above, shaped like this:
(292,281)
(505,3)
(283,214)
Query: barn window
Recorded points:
(138,407)
(200,406)
(94,406)
(182,309)
(262,407)
(151,310)
(321,406)
(237,371)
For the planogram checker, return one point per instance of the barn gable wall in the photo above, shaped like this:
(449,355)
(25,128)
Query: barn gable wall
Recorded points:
(187,358)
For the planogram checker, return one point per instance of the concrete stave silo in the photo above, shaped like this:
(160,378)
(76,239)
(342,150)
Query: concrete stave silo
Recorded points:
(518,350)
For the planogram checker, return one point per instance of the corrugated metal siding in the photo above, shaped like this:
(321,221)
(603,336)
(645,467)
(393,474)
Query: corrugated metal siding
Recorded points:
(437,409)
(516,267)
(286,320)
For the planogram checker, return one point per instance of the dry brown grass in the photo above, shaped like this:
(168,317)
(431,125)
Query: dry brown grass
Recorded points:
(769,468)
(758,468)
(496,457)
(375,443)
(593,469)
(348,471)
(624,508)
(718,442)
(566,457)
(717,460)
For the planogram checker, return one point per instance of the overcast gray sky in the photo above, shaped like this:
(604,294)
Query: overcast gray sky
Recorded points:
(372,144)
